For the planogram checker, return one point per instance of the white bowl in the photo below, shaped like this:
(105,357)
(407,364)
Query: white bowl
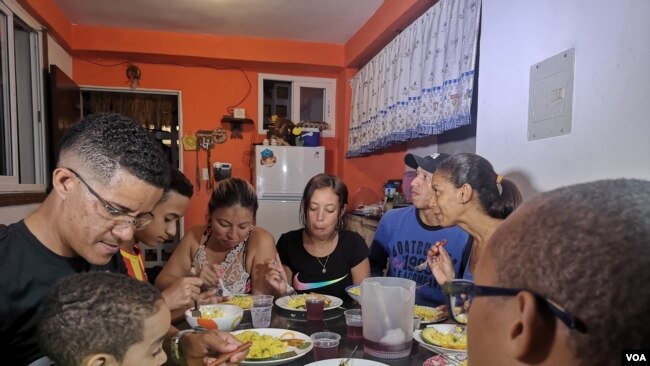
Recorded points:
(357,298)
(232,315)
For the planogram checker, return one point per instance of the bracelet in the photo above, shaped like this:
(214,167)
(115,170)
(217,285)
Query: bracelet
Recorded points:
(175,348)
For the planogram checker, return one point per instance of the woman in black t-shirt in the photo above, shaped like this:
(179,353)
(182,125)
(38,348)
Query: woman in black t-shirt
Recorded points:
(321,257)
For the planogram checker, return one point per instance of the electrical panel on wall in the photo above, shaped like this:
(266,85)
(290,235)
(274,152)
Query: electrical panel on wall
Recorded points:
(550,102)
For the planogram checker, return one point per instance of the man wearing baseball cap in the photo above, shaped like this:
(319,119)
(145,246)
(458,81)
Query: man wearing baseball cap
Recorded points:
(404,235)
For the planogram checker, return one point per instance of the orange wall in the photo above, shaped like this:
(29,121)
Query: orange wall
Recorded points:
(169,61)
(205,95)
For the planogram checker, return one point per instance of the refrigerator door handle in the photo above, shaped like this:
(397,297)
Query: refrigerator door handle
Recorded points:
(280,196)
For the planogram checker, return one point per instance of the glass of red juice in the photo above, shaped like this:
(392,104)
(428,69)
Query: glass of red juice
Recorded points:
(354,323)
(326,345)
(315,308)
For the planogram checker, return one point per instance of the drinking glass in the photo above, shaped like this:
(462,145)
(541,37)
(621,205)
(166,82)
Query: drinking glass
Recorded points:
(315,308)
(417,320)
(261,315)
(263,300)
(326,345)
(354,323)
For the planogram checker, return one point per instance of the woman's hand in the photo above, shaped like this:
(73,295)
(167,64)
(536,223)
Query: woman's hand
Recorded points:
(210,275)
(182,292)
(197,346)
(209,297)
(275,275)
(440,263)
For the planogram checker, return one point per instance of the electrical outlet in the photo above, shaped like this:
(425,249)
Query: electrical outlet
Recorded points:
(239,113)
(206,175)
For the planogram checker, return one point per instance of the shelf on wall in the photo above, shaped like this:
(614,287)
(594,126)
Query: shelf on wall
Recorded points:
(236,125)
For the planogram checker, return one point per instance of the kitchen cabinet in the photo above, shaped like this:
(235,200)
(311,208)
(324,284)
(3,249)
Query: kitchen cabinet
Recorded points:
(366,226)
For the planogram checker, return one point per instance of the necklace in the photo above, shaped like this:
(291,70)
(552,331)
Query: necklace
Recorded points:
(321,263)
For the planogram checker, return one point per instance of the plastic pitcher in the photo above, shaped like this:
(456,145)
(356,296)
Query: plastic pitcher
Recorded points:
(388,304)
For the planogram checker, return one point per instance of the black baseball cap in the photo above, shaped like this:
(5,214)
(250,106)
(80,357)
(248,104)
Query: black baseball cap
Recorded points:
(427,163)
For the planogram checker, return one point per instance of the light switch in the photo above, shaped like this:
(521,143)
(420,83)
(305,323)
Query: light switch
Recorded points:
(550,103)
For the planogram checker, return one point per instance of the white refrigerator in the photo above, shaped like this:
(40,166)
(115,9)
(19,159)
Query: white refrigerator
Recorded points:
(281,173)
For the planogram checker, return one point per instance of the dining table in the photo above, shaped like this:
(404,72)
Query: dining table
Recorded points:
(333,321)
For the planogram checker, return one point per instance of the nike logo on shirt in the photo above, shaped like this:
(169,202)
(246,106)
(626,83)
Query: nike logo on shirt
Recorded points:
(310,286)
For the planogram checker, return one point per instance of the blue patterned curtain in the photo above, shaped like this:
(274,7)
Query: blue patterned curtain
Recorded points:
(421,83)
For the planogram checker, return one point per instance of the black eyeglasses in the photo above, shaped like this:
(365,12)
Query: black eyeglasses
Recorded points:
(122,219)
(460,293)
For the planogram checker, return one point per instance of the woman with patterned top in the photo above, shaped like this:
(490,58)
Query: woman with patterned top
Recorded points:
(229,249)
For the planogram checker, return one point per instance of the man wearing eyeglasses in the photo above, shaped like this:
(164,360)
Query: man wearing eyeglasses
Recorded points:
(109,176)
(563,280)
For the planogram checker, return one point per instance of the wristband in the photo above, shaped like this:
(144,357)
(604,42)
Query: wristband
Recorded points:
(175,348)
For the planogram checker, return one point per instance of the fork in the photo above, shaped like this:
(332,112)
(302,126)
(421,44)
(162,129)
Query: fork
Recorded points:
(196,312)
(422,266)
(345,362)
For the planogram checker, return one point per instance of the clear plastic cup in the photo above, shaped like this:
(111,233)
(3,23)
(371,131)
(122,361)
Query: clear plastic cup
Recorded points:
(417,320)
(354,323)
(326,345)
(261,315)
(315,308)
(262,300)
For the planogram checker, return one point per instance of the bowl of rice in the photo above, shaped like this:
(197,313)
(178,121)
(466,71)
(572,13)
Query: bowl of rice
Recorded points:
(354,291)
(216,316)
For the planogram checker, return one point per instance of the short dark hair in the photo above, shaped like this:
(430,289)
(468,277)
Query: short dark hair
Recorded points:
(587,248)
(478,172)
(318,181)
(233,192)
(178,183)
(95,312)
(106,142)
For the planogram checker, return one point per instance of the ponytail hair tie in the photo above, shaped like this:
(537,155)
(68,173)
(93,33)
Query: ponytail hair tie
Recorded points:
(499,178)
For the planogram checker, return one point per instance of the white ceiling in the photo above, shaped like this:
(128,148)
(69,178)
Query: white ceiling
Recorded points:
(327,21)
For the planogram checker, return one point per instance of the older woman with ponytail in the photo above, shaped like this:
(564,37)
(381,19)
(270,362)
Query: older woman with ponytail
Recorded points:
(470,194)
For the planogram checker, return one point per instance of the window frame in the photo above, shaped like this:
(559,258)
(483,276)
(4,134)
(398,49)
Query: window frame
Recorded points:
(329,109)
(11,183)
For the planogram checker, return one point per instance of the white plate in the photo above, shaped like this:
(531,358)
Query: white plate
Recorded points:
(443,318)
(353,362)
(282,302)
(275,332)
(436,349)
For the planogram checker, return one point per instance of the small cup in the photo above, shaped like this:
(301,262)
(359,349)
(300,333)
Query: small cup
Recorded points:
(262,300)
(261,315)
(354,323)
(326,345)
(315,308)
(416,322)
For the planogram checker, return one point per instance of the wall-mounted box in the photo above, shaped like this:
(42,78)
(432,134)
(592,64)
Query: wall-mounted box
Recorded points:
(550,103)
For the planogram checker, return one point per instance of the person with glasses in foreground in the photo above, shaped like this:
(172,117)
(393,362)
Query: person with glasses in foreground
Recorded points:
(563,280)
(110,174)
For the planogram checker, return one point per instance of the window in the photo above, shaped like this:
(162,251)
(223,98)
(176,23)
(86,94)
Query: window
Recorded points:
(298,99)
(22,133)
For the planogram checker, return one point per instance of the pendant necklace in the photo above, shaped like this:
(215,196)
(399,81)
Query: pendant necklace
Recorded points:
(321,263)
